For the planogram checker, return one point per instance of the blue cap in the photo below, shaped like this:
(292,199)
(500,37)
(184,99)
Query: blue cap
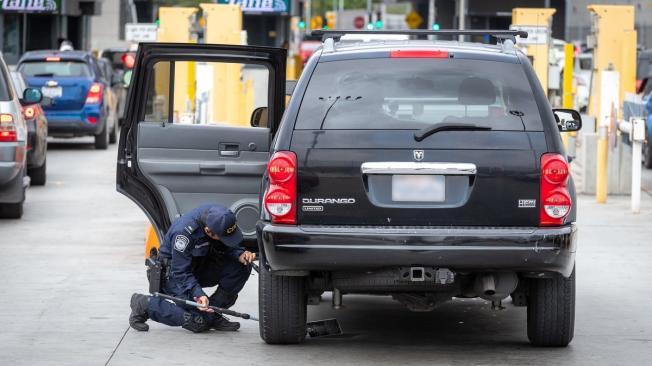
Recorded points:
(222,222)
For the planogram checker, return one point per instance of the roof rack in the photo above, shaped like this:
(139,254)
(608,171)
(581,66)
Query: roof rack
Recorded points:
(499,34)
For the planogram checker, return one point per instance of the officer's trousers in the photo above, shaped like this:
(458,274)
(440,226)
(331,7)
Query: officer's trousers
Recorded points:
(230,277)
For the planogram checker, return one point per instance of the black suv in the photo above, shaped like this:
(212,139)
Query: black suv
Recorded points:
(424,170)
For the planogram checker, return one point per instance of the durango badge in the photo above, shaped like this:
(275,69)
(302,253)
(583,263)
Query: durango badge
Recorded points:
(181,242)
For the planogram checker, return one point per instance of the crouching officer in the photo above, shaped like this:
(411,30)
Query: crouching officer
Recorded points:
(201,249)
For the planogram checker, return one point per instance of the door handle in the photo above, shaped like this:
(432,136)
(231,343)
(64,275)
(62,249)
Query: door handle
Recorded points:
(229,153)
(229,149)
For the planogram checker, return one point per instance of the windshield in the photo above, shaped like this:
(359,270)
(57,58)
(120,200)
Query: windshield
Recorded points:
(388,93)
(55,69)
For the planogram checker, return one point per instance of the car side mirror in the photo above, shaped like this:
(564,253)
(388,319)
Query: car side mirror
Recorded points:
(259,117)
(290,85)
(568,120)
(31,96)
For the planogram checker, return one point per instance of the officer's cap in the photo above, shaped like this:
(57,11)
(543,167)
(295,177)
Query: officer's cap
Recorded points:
(222,222)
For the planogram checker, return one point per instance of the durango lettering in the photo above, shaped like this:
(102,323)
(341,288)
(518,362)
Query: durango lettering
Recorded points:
(337,201)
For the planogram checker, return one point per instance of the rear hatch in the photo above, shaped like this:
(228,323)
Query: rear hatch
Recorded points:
(473,162)
(66,82)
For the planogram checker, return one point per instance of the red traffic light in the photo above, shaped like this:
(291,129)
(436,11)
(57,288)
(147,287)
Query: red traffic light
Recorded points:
(129,60)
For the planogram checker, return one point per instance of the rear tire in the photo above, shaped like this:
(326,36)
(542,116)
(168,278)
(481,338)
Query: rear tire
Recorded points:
(551,311)
(102,140)
(38,175)
(282,308)
(11,210)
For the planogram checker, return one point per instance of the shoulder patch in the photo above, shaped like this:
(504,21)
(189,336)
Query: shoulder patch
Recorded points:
(181,242)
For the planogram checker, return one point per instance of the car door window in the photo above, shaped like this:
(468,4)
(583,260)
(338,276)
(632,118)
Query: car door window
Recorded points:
(206,93)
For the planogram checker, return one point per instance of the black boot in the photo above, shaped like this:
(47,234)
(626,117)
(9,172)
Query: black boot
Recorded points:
(223,324)
(139,315)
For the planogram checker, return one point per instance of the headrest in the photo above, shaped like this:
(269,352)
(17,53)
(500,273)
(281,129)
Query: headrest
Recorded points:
(477,91)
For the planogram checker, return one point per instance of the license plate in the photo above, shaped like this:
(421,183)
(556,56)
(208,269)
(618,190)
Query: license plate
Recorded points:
(418,188)
(52,91)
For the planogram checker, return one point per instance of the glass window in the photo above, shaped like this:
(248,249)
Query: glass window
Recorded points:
(209,93)
(5,88)
(48,69)
(388,93)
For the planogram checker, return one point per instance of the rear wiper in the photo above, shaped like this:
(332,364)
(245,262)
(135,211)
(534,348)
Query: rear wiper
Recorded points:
(44,75)
(425,132)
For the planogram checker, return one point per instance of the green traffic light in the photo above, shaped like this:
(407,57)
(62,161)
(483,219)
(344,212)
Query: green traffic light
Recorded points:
(302,25)
(435,26)
(379,24)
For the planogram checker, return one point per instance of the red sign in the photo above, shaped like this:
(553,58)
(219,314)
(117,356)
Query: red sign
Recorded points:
(358,22)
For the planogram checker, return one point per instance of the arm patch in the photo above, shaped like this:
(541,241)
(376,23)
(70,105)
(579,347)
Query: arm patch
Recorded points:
(181,242)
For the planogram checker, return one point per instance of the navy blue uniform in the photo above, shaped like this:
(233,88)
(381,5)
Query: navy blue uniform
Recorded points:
(196,261)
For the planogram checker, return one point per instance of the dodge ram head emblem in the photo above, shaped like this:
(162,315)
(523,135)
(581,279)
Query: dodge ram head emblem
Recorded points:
(418,155)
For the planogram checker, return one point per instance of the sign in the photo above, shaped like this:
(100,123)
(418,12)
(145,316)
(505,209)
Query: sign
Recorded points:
(535,34)
(358,22)
(30,6)
(413,19)
(140,32)
(259,6)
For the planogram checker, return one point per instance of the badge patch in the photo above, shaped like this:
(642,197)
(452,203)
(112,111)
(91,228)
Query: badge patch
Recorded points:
(181,242)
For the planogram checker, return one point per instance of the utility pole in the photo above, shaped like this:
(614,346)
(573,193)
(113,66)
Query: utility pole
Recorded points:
(461,17)
(308,17)
(369,19)
(431,16)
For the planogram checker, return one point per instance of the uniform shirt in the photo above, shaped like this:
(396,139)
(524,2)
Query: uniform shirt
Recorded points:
(184,241)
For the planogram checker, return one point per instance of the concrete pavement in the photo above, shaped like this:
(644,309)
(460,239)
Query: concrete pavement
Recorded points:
(68,267)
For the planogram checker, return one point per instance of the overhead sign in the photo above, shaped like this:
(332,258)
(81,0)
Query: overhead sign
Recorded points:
(413,19)
(259,6)
(30,6)
(140,32)
(535,34)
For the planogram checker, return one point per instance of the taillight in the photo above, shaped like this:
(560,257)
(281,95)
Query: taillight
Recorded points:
(7,128)
(30,112)
(418,54)
(555,199)
(95,94)
(281,198)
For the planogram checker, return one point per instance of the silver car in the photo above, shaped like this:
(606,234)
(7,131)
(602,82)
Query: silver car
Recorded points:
(13,145)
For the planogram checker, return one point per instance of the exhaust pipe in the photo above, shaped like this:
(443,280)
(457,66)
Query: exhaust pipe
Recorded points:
(495,286)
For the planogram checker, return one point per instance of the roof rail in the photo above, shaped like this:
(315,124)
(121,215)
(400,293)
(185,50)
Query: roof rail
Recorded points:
(501,34)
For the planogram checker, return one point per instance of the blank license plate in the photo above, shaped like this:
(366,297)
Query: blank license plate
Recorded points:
(418,188)
(52,91)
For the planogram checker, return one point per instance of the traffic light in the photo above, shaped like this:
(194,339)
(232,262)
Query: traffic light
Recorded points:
(435,26)
(379,20)
(302,24)
(331,19)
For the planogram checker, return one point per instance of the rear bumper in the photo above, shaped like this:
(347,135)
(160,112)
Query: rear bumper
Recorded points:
(74,123)
(322,248)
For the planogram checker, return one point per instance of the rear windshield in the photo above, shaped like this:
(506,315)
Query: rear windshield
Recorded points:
(386,93)
(48,69)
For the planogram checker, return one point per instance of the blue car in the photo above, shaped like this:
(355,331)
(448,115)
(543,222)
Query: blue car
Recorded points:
(81,97)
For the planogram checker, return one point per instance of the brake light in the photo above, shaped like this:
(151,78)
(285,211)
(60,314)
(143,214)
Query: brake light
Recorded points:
(30,111)
(91,119)
(53,59)
(555,199)
(7,128)
(418,54)
(281,197)
(95,94)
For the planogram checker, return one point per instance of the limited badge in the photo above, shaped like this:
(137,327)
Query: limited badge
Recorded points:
(181,242)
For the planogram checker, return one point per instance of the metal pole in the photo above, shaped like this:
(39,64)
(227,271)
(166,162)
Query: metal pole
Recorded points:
(308,10)
(431,15)
(368,12)
(340,11)
(461,16)
(637,135)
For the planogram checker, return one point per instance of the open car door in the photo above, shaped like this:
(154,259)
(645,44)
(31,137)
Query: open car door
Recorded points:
(188,137)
